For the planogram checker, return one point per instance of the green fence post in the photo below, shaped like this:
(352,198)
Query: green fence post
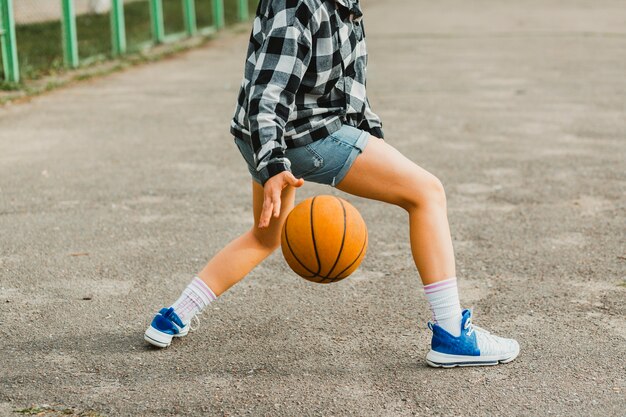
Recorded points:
(156,13)
(189,7)
(242,10)
(118,28)
(218,13)
(70,40)
(8,44)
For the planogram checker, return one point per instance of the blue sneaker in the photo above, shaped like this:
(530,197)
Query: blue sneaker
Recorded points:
(165,325)
(474,347)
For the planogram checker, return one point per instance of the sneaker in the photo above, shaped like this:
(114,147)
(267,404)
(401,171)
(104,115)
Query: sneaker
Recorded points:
(474,347)
(165,325)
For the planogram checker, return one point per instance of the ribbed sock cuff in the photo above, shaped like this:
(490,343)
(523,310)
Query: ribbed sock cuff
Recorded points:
(443,297)
(195,298)
(203,290)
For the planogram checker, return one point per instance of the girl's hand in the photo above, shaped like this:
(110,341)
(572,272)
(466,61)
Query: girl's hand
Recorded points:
(273,189)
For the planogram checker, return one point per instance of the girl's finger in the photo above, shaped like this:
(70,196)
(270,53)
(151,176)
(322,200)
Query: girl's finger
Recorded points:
(266,213)
(293,181)
(276,204)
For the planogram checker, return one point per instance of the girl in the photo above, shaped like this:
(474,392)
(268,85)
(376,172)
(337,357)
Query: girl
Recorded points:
(303,114)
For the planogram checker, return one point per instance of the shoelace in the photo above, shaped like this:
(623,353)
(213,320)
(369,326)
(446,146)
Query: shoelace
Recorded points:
(197,319)
(471,327)
(487,341)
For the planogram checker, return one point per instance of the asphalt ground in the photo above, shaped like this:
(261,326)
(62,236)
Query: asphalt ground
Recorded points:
(115,191)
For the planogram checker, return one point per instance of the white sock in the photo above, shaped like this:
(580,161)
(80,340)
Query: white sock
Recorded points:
(193,300)
(443,297)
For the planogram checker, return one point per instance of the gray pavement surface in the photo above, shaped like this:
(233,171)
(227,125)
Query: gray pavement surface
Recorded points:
(114,192)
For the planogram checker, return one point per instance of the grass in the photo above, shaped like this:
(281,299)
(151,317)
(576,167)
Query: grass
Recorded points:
(40,46)
(7,86)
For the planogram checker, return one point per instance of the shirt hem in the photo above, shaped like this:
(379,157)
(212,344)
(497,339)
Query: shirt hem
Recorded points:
(294,142)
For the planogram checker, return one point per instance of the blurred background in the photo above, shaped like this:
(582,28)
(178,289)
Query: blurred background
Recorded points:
(40,37)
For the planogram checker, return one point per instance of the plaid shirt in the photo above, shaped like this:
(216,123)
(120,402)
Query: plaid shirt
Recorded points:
(304,78)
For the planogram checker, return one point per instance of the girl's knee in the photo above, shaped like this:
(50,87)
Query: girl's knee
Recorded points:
(425,190)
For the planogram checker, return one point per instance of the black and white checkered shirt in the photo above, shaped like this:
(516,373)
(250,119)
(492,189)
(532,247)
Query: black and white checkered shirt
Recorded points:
(304,78)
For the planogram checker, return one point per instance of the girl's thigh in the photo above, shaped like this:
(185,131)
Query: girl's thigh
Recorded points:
(382,173)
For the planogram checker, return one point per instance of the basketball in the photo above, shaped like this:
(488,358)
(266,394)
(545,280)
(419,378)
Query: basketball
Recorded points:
(324,239)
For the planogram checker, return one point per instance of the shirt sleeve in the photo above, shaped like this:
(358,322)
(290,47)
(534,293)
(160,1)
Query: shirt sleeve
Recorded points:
(281,63)
(371,122)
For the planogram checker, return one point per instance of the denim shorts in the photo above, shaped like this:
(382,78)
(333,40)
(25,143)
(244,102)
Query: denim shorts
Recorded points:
(325,161)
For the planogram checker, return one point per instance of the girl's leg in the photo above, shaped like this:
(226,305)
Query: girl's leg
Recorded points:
(382,173)
(223,271)
(241,255)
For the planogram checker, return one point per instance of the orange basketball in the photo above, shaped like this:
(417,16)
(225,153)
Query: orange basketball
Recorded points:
(324,239)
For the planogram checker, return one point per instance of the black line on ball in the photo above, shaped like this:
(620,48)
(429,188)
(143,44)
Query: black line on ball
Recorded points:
(343,240)
(293,252)
(353,262)
(319,265)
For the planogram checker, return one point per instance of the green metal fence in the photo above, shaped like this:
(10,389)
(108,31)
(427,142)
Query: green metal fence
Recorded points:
(10,65)
(67,34)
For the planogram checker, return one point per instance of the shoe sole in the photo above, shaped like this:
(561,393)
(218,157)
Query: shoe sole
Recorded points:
(160,339)
(444,360)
